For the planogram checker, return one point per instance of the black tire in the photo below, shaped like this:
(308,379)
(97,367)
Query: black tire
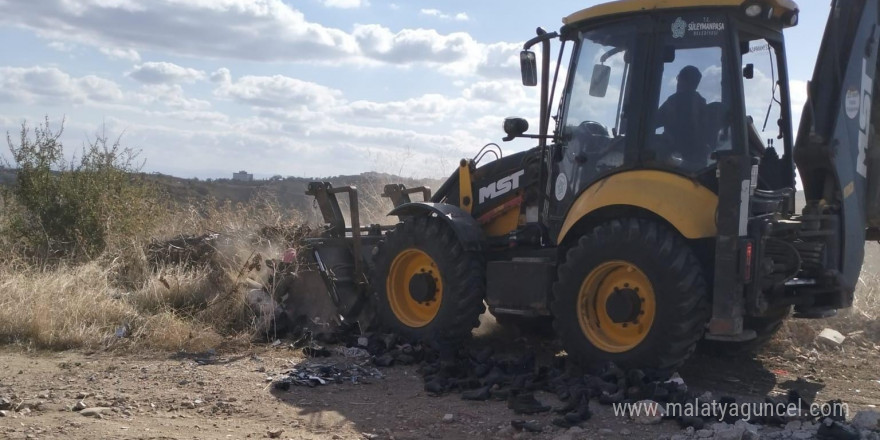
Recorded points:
(765,326)
(461,286)
(663,258)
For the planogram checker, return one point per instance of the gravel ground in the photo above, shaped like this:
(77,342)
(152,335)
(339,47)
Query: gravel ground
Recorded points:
(229,395)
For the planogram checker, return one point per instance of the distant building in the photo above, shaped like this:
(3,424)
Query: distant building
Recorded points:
(243,176)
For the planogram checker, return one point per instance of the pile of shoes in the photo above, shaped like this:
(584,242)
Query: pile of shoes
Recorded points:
(480,374)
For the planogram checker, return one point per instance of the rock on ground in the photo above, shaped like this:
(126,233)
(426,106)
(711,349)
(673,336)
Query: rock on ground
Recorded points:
(867,420)
(651,413)
(830,337)
(95,412)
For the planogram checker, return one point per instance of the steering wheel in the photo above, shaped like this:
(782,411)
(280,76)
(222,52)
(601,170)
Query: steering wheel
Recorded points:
(593,128)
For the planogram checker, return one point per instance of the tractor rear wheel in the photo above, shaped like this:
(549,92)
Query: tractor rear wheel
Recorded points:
(632,292)
(425,285)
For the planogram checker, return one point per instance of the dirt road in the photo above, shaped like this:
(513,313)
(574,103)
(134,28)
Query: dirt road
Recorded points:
(228,395)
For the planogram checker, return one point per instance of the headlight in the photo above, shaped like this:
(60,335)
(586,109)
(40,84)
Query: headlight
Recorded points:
(754,10)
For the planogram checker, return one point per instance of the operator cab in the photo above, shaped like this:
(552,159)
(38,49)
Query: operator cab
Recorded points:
(672,89)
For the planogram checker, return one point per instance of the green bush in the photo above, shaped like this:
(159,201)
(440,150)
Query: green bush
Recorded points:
(60,209)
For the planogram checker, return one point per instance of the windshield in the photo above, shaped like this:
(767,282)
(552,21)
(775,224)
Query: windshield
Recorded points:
(598,84)
(595,121)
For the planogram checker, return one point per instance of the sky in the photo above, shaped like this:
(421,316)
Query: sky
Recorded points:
(306,88)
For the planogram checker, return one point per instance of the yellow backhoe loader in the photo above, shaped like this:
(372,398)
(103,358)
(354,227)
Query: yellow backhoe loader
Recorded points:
(657,209)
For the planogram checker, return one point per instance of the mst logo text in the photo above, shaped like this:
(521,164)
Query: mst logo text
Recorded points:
(501,187)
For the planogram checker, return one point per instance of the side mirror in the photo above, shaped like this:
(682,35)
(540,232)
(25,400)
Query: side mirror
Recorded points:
(749,71)
(599,82)
(529,68)
(514,127)
(668,54)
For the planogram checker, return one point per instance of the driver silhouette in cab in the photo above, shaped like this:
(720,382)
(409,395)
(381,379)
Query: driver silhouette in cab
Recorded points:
(681,115)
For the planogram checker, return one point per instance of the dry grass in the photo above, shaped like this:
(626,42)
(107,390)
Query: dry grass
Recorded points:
(120,301)
(60,308)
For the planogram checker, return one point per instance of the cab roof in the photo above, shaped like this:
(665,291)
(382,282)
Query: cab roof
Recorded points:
(632,6)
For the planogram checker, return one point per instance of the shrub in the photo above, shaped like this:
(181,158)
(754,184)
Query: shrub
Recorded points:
(75,209)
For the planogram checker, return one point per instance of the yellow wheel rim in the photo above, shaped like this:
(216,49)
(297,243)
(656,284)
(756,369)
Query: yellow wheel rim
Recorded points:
(414,308)
(616,306)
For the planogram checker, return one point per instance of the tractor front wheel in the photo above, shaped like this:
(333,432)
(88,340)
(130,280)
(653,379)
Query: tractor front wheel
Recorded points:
(425,285)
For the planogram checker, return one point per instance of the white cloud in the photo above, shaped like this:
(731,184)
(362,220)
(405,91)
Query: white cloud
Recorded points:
(253,30)
(499,60)
(431,12)
(221,75)
(280,116)
(265,30)
(426,109)
(121,54)
(198,116)
(99,89)
(165,73)
(49,85)
(277,92)
(501,92)
(461,16)
(346,4)
(415,45)
(169,95)
(61,46)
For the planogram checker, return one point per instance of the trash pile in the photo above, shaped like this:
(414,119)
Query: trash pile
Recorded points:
(316,375)
(186,250)
(480,374)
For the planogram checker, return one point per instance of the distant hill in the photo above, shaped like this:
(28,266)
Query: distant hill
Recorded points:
(288,193)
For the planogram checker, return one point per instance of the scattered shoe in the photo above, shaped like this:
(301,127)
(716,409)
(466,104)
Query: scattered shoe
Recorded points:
(386,360)
(479,394)
(525,403)
(316,351)
(522,425)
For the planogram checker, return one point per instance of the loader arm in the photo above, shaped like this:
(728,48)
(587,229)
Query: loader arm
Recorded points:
(836,152)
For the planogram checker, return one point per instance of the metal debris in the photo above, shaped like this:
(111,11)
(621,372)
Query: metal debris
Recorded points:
(317,375)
